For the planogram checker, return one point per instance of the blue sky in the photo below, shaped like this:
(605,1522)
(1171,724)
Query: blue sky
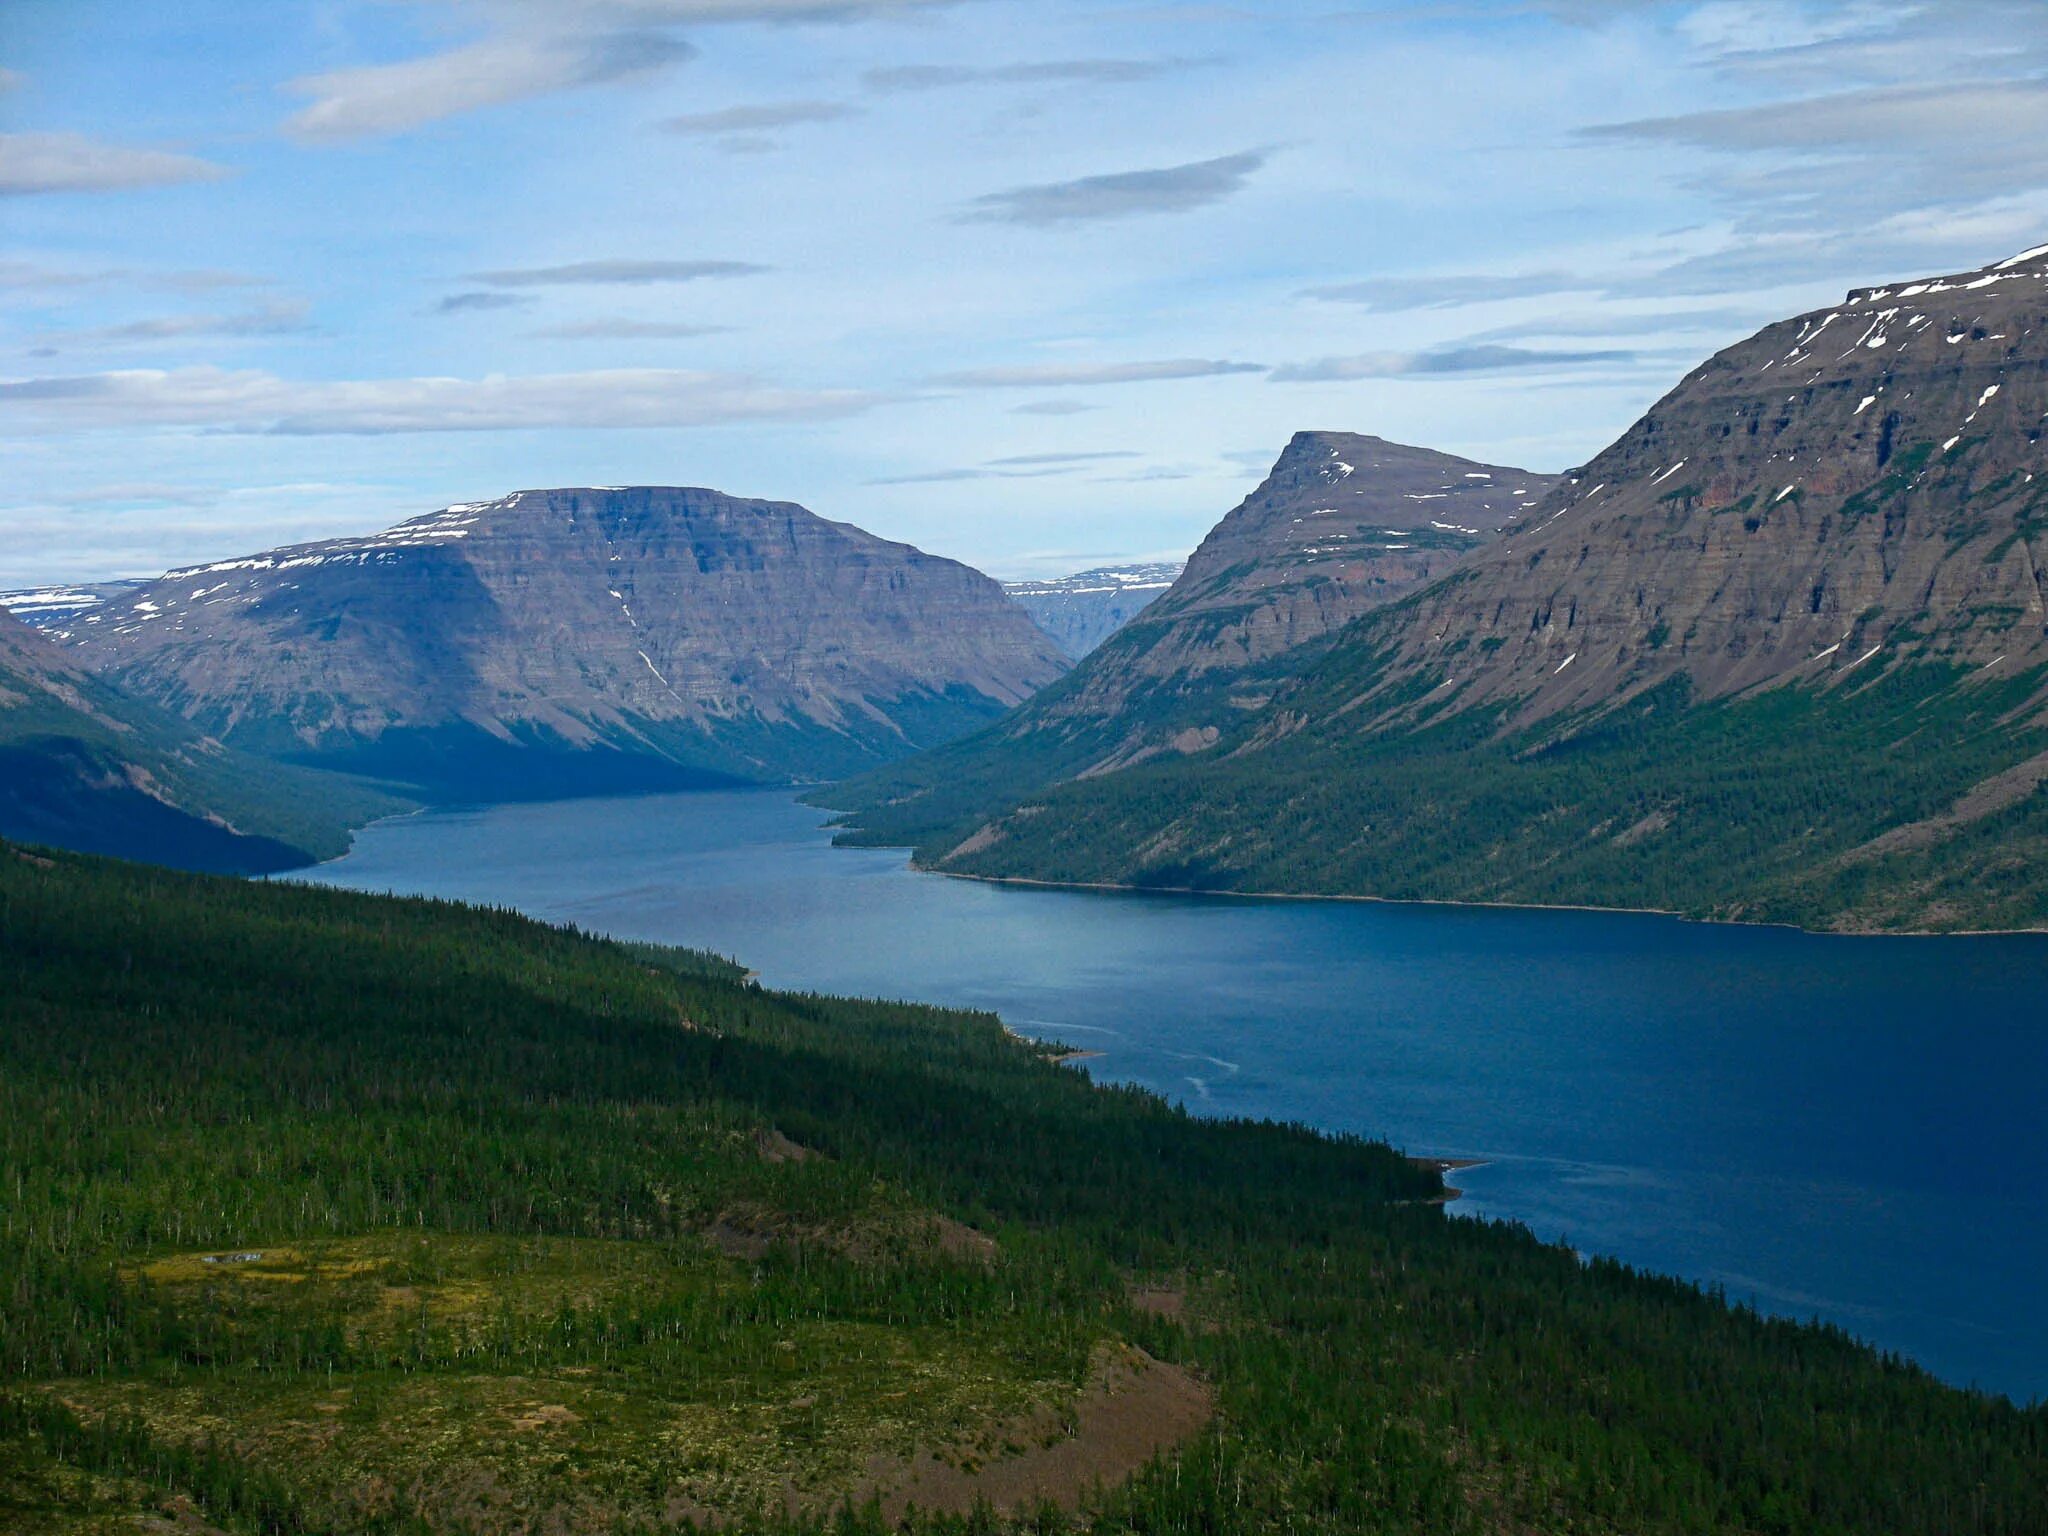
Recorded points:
(1032,283)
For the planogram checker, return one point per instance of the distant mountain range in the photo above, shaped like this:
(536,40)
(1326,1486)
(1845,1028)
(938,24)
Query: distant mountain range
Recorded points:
(1085,609)
(54,610)
(1779,652)
(572,640)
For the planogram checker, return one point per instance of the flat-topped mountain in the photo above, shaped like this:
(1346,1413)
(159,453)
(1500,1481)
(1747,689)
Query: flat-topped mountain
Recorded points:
(569,639)
(1781,651)
(82,766)
(1083,610)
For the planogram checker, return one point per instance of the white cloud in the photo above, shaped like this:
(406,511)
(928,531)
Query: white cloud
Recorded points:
(537,47)
(280,319)
(71,162)
(250,401)
(1121,194)
(753,119)
(619,328)
(1445,362)
(1448,290)
(1066,375)
(578,273)
(376,99)
(932,77)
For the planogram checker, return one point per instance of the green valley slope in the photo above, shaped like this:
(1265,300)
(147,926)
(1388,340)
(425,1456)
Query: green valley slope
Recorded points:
(83,766)
(333,1213)
(1778,653)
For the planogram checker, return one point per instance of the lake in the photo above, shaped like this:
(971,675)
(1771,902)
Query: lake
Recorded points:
(1848,1128)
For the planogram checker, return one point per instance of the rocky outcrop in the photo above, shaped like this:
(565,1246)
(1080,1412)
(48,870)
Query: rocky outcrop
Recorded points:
(567,639)
(1085,609)
(1343,524)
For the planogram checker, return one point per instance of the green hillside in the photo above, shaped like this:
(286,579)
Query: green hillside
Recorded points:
(1823,807)
(87,767)
(331,1213)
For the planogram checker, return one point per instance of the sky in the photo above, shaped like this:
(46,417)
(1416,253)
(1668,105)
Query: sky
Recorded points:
(1036,284)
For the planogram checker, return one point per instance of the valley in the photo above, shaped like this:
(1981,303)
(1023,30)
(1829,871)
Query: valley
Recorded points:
(921,768)
(1777,654)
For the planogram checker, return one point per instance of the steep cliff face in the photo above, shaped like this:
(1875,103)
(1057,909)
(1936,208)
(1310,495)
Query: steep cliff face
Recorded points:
(574,638)
(1085,609)
(1780,651)
(1848,491)
(83,767)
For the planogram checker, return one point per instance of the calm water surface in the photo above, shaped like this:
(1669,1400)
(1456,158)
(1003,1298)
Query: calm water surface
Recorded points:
(1847,1128)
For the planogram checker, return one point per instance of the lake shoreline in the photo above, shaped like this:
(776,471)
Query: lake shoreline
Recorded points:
(1109,887)
(1577,1050)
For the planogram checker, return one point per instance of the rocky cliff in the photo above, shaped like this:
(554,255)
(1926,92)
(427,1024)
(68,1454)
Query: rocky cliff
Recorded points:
(1344,523)
(1848,491)
(586,638)
(1085,609)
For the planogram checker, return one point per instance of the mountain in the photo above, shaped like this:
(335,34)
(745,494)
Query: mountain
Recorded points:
(83,767)
(1779,652)
(1342,525)
(1085,609)
(564,640)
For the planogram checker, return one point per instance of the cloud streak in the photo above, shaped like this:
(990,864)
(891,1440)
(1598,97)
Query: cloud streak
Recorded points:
(618,328)
(1440,363)
(1448,291)
(933,77)
(1066,375)
(623,273)
(71,162)
(250,401)
(1120,195)
(377,99)
(538,48)
(465,303)
(281,319)
(759,118)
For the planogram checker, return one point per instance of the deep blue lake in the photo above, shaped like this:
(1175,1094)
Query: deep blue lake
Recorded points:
(1855,1129)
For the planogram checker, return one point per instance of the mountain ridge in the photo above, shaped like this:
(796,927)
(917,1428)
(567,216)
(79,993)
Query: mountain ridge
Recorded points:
(548,641)
(1778,653)
(1083,610)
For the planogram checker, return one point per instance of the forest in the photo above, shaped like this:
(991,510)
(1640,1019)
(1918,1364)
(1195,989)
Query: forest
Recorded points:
(323,1212)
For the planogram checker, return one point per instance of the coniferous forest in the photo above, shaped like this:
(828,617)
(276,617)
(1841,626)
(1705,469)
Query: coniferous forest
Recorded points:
(333,1213)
